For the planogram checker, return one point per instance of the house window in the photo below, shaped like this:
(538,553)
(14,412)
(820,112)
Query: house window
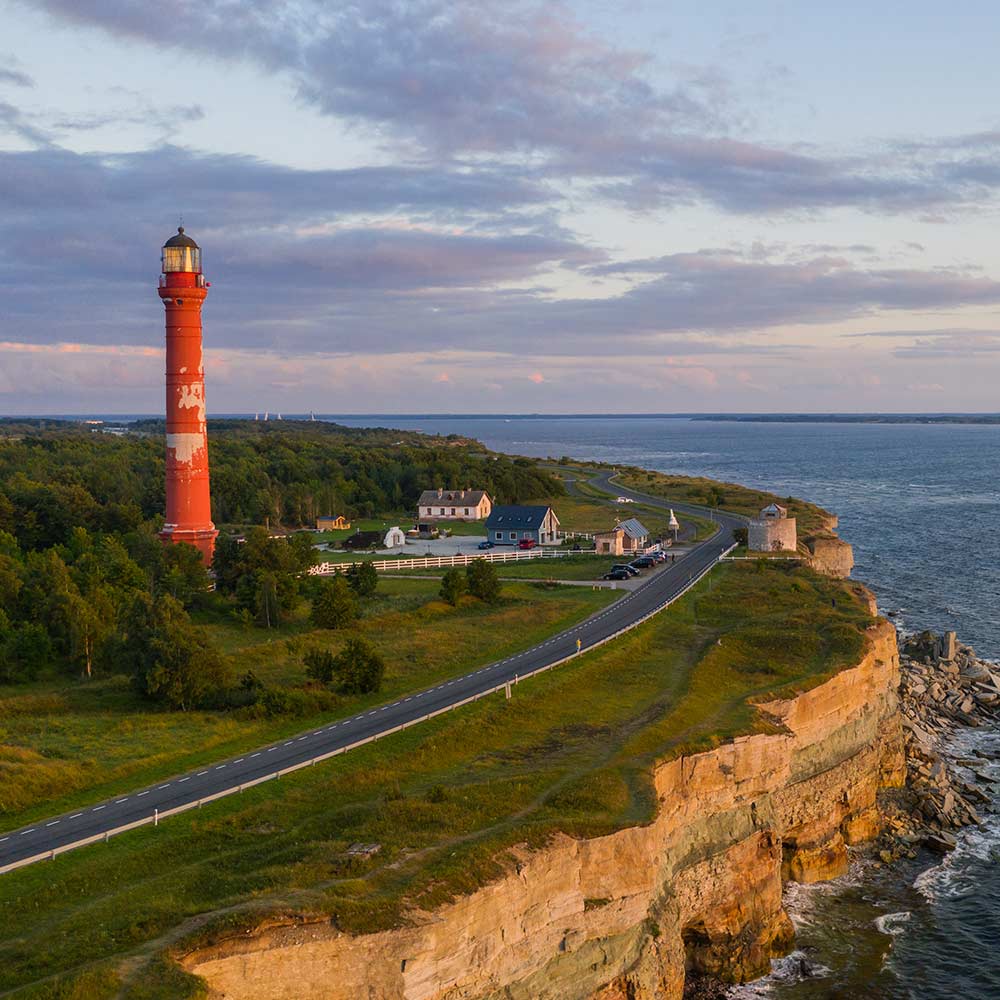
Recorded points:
(513,535)
(466,511)
(499,535)
(442,510)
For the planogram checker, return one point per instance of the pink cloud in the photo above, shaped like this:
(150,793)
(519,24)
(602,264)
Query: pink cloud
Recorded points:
(537,377)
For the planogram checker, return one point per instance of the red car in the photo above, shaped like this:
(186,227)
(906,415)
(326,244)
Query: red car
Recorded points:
(527,543)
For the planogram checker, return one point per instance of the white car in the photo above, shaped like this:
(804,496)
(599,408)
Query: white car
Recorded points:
(624,500)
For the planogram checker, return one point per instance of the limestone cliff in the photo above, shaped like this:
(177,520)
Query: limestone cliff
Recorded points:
(624,916)
(830,555)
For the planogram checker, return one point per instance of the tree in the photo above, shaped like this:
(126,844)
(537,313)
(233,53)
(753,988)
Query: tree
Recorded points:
(363,578)
(483,580)
(335,605)
(173,660)
(185,577)
(266,602)
(24,651)
(321,665)
(359,668)
(453,586)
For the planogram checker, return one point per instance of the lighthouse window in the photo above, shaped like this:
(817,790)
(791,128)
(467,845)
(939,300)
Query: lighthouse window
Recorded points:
(181,259)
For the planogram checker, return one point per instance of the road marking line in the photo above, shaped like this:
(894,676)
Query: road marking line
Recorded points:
(220,767)
(167,785)
(74,816)
(289,743)
(301,738)
(119,801)
(97,809)
(53,823)
(240,761)
(200,773)
(23,832)
(188,778)
(255,754)
(271,749)
(2,839)
(371,713)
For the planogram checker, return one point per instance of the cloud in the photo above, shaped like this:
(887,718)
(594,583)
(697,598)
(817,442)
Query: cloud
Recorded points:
(15,77)
(527,82)
(957,343)
(537,377)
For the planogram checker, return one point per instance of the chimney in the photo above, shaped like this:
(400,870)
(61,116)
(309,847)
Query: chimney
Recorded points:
(440,492)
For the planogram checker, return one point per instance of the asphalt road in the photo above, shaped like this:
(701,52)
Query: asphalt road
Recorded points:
(656,592)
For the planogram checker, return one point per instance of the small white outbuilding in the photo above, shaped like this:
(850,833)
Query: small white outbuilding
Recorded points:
(394,538)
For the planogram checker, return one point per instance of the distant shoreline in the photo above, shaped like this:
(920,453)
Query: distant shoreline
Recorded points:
(747,418)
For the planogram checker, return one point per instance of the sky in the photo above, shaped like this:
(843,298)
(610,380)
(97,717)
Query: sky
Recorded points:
(504,207)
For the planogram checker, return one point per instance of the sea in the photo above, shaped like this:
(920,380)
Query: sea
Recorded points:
(920,503)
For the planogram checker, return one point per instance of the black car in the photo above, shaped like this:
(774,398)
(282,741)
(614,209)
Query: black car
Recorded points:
(625,568)
(643,562)
(617,574)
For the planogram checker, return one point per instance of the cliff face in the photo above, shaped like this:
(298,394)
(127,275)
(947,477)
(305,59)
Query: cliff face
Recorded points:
(623,916)
(831,556)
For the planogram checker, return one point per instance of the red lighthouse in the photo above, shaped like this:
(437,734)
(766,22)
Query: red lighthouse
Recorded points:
(183,289)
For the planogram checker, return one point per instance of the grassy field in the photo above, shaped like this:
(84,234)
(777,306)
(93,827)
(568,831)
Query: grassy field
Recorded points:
(65,743)
(590,510)
(812,520)
(572,752)
(583,567)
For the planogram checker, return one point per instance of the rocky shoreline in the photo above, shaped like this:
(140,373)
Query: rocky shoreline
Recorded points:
(944,687)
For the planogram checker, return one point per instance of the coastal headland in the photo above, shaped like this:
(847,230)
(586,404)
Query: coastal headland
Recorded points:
(614,828)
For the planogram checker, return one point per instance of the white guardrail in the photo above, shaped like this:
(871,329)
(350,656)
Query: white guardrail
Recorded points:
(157,815)
(424,562)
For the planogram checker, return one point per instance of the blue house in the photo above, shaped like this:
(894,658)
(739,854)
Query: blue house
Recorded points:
(508,525)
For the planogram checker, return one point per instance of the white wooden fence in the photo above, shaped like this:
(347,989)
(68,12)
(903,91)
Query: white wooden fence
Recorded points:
(426,562)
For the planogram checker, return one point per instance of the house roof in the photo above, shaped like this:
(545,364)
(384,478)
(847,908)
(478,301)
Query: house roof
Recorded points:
(775,508)
(516,516)
(467,498)
(633,528)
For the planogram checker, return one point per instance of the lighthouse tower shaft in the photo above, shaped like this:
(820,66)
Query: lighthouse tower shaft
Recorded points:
(189,508)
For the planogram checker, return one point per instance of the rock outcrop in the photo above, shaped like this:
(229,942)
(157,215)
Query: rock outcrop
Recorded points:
(944,687)
(627,915)
(830,555)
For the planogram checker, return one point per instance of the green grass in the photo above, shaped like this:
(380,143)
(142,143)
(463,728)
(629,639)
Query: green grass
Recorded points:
(581,567)
(446,800)
(812,520)
(65,743)
(591,510)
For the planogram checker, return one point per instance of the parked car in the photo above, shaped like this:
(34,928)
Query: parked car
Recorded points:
(527,543)
(485,545)
(617,574)
(624,500)
(643,562)
(658,556)
(625,568)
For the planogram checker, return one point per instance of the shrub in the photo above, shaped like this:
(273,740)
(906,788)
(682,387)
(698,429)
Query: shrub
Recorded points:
(359,668)
(453,586)
(363,578)
(483,581)
(335,605)
(320,664)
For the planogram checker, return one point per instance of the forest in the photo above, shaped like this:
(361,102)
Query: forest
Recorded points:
(85,583)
